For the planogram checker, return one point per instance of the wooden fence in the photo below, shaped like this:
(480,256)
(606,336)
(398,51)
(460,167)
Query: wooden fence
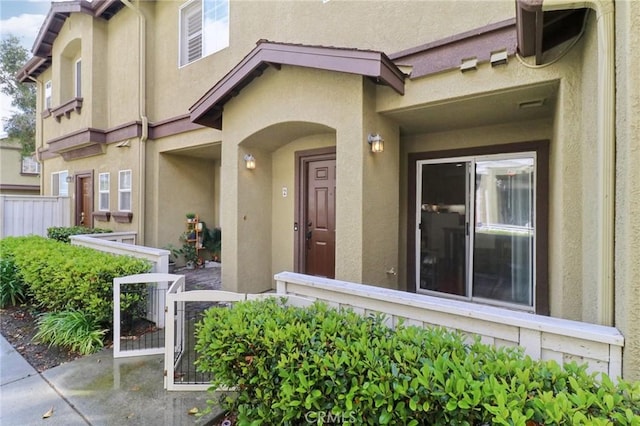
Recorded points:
(25,215)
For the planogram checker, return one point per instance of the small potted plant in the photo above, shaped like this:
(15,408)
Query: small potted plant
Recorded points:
(173,257)
(190,255)
(191,217)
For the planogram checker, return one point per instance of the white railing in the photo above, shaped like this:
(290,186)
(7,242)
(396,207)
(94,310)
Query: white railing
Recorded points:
(24,215)
(158,257)
(541,337)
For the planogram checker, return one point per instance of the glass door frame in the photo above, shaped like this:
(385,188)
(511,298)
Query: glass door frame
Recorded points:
(470,225)
(468,216)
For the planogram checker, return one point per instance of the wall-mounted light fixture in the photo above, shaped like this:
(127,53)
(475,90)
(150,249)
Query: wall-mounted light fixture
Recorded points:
(376,142)
(69,178)
(249,161)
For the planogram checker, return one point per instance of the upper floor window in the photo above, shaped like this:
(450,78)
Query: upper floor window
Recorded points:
(47,94)
(30,166)
(204,29)
(124,190)
(103,190)
(78,78)
(59,184)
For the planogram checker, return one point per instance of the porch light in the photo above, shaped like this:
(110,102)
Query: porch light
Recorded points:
(69,178)
(376,142)
(250,161)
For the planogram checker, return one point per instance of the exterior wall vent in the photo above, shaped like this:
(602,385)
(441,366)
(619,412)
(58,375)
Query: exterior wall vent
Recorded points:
(534,103)
(499,57)
(469,64)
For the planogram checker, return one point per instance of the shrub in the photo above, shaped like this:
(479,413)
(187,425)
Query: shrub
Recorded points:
(62,277)
(62,233)
(12,291)
(292,365)
(71,329)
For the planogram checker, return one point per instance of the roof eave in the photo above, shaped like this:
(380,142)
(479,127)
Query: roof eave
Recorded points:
(207,110)
(57,15)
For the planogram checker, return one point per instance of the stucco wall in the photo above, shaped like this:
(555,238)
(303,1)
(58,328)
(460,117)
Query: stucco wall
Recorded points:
(11,170)
(352,118)
(114,160)
(306,22)
(181,180)
(627,266)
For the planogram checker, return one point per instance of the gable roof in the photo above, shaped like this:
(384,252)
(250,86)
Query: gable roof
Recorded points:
(374,65)
(55,19)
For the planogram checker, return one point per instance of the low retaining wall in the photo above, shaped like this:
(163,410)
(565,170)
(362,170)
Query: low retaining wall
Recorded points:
(126,237)
(158,257)
(541,337)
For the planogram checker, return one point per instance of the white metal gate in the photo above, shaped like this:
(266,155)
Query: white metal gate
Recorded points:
(180,335)
(152,290)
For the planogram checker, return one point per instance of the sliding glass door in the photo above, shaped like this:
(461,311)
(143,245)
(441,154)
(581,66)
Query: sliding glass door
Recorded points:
(476,228)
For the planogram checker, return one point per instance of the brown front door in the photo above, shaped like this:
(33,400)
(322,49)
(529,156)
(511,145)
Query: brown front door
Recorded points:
(317,228)
(84,199)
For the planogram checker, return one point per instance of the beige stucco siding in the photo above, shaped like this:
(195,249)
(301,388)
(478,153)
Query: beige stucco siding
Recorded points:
(627,266)
(179,181)
(11,171)
(316,104)
(308,22)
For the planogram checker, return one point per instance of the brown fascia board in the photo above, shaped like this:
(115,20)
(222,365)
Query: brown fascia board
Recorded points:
(446,53)
(529,27)
(207,110)
(35,65)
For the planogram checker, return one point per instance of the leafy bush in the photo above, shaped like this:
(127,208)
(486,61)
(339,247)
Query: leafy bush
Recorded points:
(62,233)
(62,277)
(12,291)
(292,366)
(71,329)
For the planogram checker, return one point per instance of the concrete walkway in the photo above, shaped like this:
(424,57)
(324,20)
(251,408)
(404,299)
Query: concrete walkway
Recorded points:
(96,390)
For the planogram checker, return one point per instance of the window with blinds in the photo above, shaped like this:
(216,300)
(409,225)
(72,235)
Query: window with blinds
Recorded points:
(204,29)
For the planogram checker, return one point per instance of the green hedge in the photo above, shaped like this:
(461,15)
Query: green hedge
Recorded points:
(62,277)
(62,233)
(317,365)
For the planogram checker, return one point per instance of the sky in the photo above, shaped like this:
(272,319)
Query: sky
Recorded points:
(23,19)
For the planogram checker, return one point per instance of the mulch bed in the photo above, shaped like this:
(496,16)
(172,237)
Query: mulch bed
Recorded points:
(18,324)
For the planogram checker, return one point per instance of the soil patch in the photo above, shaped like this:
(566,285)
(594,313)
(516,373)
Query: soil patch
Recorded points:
(18,324)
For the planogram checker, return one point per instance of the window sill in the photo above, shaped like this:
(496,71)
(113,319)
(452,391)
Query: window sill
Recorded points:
(122,217)
(67,108)
(102,216)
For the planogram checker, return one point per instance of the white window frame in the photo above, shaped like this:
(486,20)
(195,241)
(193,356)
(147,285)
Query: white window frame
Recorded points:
(104,202)
(78,78)
(30,166)
(213,32)
(123,190)
(59,184)
(48,89)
